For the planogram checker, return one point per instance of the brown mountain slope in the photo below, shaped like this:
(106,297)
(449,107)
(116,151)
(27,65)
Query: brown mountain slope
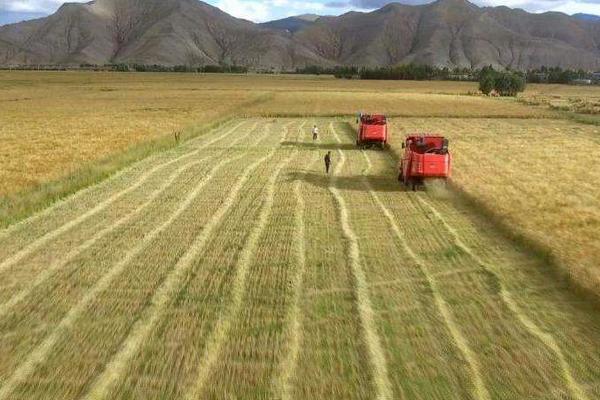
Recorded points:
(151,32)
(455,33)
(444,33)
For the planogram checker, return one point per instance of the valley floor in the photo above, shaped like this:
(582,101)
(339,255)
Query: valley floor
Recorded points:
(233,267)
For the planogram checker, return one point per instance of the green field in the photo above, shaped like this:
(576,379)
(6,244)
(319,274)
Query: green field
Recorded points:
(231,266)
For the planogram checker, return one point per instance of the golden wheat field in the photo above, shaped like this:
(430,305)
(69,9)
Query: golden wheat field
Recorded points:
(89,116)
(231,266)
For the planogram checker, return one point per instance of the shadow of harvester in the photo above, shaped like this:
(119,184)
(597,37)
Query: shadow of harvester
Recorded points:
(379,183)
(320,146)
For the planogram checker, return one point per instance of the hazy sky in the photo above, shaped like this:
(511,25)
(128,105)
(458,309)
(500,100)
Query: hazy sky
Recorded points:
(264,10)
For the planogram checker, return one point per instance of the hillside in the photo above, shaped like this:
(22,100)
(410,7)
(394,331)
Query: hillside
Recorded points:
(444,33)
(455,33)
(148,31)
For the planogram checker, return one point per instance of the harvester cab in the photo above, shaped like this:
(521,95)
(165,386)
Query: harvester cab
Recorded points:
(425,157)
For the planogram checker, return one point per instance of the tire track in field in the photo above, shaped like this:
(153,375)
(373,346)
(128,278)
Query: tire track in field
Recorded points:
(10,229)
(372,340)
(294,317)
(546,338)
(41,352)
(481,391)
(51,269)
(41,241)
(221,331)
(116,368)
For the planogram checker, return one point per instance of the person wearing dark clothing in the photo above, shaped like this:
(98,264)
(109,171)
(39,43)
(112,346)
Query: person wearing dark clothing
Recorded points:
(327,162)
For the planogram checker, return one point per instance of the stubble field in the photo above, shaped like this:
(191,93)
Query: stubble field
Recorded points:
(231,266)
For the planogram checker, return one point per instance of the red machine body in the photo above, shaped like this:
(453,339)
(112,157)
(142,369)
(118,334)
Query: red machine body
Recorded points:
(372,130)
(425,157)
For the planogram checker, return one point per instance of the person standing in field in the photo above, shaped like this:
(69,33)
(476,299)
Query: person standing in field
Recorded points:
(315,132)
(327,162)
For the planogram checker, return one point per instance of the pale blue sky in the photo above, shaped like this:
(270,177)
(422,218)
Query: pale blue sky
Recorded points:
(264,10)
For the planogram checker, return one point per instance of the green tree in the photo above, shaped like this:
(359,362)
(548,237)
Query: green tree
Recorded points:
(504,83)
(487,83)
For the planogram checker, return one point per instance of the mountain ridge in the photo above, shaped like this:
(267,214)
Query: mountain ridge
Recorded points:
(445,33)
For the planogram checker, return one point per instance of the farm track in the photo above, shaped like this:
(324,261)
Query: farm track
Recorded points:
(235,260)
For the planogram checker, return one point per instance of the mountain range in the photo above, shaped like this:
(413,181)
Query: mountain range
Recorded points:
(452,33)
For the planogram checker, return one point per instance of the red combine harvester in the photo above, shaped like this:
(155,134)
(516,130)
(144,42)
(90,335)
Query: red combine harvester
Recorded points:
(372,131)
(425,157)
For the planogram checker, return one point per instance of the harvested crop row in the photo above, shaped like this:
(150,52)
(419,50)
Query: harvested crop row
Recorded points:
(121,376)
(331,361)
(411,306)
(251,273)
(482,318)
(545,299)
(225,354)
(294,319)
(41,265)
(507,297)
(461,279)
(72,279)
(404,298)
(137,280)
(19,241)
(362,294)
(245,358)
(499,322)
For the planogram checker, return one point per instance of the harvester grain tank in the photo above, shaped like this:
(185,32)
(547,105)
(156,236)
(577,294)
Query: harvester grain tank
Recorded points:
(372,131)
(425,157)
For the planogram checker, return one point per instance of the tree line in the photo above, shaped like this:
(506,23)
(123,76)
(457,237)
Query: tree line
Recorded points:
(225,69)
(559,75)
(427,72)
(399,72)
